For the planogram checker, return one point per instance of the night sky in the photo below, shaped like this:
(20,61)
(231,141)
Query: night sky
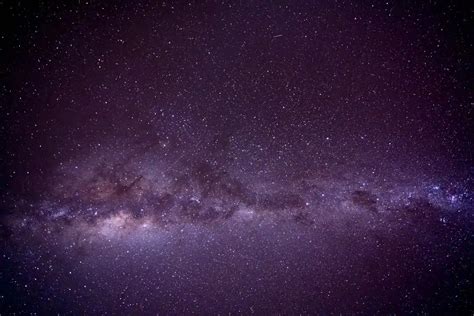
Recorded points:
(240,157)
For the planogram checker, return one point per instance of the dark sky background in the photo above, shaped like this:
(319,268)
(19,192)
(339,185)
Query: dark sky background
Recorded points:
(236,157)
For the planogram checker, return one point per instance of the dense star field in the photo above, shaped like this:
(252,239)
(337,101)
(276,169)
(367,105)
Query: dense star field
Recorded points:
(240,157)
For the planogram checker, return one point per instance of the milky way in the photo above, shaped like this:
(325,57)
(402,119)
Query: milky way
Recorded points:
(237,158)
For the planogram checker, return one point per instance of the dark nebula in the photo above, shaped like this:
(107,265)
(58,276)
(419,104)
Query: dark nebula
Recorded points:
(241,157)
